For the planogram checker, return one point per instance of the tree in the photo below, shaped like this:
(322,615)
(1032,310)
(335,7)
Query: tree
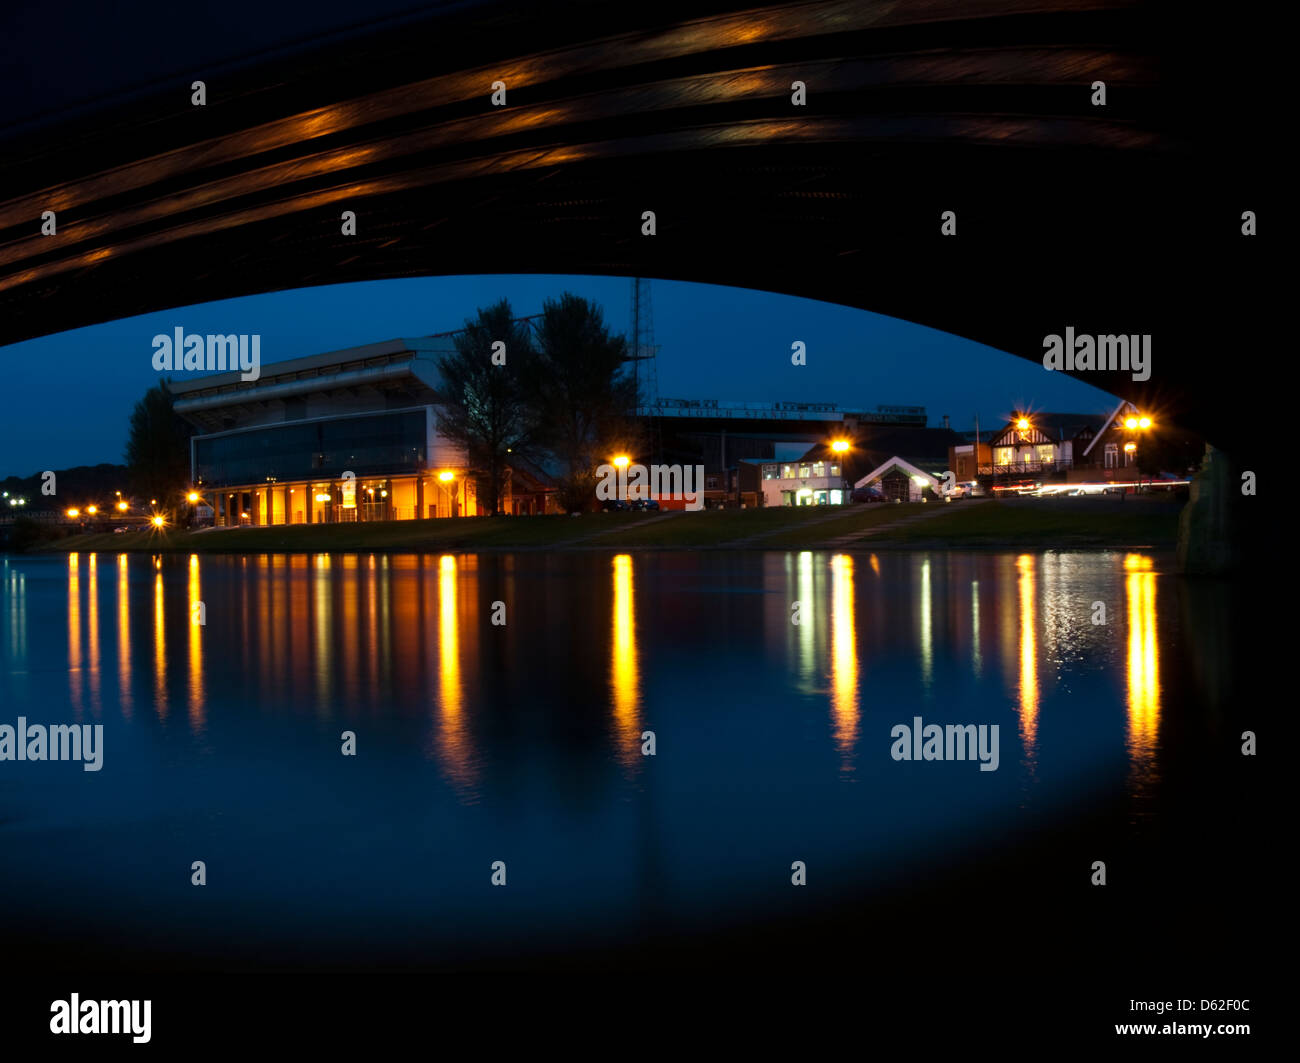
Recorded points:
(581,394)
(485,409)
(158,448)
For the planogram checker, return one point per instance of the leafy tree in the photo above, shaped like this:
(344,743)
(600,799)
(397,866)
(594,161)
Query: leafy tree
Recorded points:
(158,448)
(485,410)
(581,394)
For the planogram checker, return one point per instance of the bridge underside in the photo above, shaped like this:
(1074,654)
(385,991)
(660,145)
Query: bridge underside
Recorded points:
(1107,219)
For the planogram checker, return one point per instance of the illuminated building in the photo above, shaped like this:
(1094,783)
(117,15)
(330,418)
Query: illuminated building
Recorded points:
(350,435)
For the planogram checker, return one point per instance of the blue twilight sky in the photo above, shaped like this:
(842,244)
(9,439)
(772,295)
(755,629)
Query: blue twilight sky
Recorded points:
(69,395)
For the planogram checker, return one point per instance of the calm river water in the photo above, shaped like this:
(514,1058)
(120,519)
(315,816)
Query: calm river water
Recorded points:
(522,740)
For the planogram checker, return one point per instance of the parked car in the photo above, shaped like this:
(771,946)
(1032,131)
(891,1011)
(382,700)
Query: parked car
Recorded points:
(614,505)
(646,503)
(867,494)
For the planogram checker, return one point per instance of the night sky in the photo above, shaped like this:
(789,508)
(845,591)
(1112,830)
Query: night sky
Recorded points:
(69,395)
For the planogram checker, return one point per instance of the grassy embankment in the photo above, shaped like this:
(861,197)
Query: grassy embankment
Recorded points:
(1041,523)
(1009,523)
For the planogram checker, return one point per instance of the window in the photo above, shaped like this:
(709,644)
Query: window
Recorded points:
(804,472)
(769,472)
(1046,453)
(376,443)
(1112,455)
(787,472)
(1004,456)
(835,470)
(819,468)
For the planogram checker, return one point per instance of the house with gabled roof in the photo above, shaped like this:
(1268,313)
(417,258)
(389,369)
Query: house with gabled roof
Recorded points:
(1040,443)
(901,481)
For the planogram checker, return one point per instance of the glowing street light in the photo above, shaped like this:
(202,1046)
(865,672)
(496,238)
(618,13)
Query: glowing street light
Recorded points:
(122,507)
(1144,422)
(448,478)
(621,461)
(839,446)
(1023,424)
(159,520)
(92,510)
(193,496)
(74,512)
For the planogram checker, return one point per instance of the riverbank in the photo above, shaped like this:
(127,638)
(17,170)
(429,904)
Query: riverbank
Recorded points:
(1022,523)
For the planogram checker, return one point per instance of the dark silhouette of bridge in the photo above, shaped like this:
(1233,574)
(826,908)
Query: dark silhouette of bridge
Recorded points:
(1114,219)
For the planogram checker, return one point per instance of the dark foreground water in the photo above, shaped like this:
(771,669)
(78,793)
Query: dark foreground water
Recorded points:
(522,741)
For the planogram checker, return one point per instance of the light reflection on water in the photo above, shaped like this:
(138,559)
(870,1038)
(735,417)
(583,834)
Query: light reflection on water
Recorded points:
(769,730)
(309,621)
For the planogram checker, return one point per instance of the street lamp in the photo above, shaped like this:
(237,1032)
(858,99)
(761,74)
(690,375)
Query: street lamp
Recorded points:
(839,446)
(1135,422)
(449,477)
(621,461)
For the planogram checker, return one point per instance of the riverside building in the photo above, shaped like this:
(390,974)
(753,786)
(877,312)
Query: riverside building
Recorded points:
(351,435)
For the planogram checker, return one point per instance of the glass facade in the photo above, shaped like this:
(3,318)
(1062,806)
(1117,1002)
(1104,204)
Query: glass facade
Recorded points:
(378,444)
(345,501)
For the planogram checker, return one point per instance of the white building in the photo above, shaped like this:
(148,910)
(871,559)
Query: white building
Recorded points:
(814,480)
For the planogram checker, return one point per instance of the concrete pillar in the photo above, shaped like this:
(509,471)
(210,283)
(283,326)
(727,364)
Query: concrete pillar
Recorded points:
(1206,545)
